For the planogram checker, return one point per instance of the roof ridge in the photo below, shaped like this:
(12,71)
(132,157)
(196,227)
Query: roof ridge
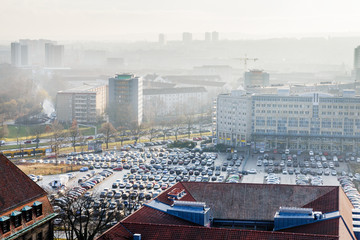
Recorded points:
(227,229)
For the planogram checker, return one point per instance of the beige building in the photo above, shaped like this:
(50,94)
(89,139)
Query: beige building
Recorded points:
(85,104)
(233,118)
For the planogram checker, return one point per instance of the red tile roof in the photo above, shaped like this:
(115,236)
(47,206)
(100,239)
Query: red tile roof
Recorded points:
(245,200)
(164,232)
(150,215)
(163,197)
(16,187)
(327,227)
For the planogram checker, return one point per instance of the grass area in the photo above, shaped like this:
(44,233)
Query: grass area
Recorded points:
(47,169)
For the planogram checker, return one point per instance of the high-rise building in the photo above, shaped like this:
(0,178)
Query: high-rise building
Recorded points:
(256,78)
(208,36)
(54,55)
(187,37)
(15,54)
(19,54)
(162,39)
(215,36)
(126,98)
(356,72)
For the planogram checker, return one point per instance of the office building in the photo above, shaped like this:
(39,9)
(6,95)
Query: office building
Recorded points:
(310,121)
(25,210)
(214,211)
(233,118)
(126,98)
(256,78)
(54,55)
(86,104)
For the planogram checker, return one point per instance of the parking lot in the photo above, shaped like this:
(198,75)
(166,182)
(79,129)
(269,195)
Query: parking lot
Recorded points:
(123,180)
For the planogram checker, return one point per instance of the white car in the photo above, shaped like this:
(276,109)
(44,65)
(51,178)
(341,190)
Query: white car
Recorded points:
(311,153)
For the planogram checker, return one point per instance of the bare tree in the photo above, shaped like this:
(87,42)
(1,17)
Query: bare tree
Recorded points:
(58,136)
(79,221)
(4,131)
(137,130)
(176,124)
(152,133)
(74,133)
(37,131)
(189,119)
(109,132)
(122,133)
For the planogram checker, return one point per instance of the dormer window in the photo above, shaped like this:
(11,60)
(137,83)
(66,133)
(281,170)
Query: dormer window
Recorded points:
(16,218)
(37,208)
(4,224)
(27,213)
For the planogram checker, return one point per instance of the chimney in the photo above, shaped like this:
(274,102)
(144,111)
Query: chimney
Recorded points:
(137,236)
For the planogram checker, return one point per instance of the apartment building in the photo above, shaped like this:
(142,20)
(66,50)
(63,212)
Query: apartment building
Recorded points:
(85,104)
(126,96)
(173,102)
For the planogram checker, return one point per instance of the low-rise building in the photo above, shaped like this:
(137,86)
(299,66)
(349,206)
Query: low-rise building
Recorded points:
(199,210)
(173,102)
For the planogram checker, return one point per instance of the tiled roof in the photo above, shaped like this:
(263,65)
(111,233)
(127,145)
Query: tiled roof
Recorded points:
(163,197)
(150,215)
(253,201)
(327,227)
(118,232)
(164,232)
(16,187)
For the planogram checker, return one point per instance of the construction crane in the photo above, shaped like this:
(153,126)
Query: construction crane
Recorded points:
(246,59)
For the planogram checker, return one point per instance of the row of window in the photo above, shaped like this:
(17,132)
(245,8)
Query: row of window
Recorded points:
(16,218)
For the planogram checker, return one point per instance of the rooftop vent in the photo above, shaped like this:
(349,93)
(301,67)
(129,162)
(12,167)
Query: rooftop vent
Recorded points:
(288,217)
(176,194)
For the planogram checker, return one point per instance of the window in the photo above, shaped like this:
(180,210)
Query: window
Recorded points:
(37,208)
(27,213)
(16,218)
(39,236)
(5,224)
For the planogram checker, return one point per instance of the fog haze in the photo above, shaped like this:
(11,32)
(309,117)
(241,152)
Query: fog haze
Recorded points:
(142,20)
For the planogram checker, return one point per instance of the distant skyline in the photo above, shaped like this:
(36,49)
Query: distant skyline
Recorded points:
(101,20)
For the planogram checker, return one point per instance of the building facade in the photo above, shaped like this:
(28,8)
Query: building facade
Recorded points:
(233,118)
(86,104)
(173,102)
(312,121)
(54,55)
(256,78)
(126,93)
(25,210)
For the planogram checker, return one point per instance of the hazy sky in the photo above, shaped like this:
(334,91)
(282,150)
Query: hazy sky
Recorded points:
(124,19)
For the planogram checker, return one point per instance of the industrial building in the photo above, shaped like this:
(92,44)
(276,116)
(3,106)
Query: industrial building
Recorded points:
(200,210)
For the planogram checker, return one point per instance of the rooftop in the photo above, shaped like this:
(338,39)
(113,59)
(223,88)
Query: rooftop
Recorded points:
(16,188)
